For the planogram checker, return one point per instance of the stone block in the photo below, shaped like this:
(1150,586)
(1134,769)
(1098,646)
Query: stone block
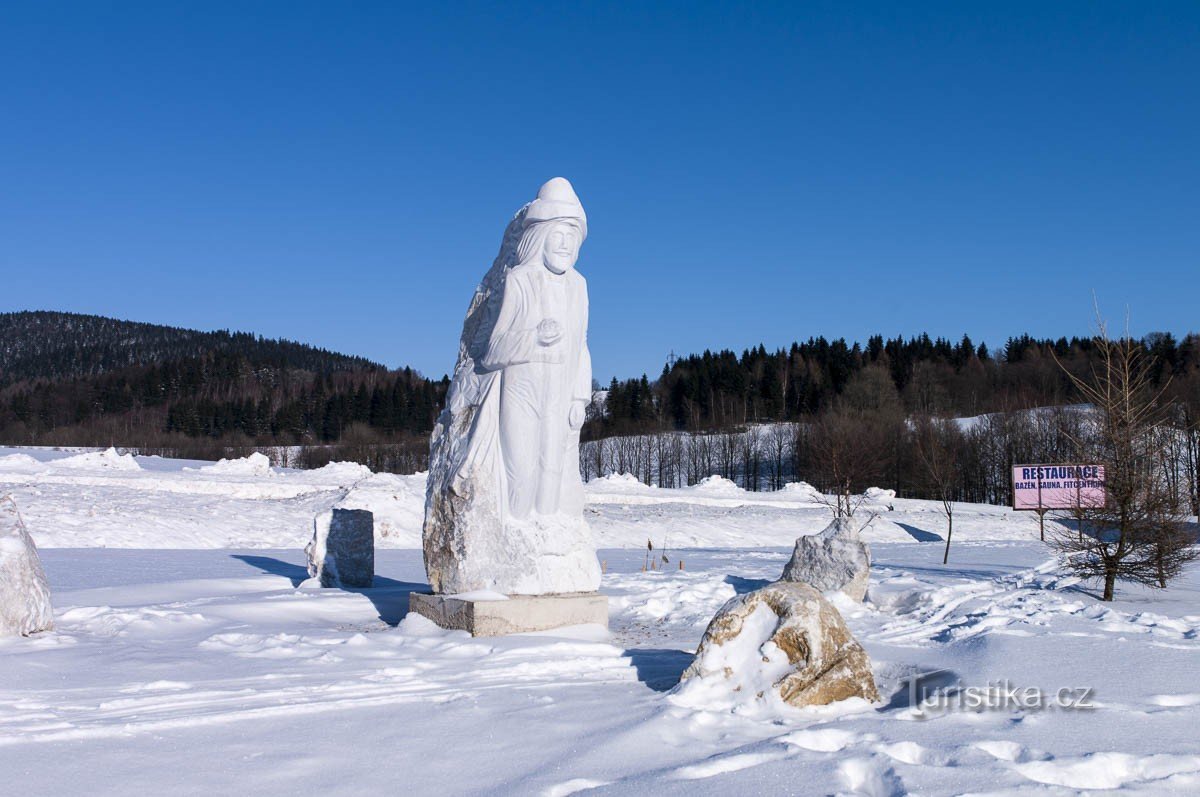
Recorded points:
(342,551)
(517,614)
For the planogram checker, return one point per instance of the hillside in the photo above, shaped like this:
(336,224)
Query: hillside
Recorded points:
(68,379)
(54,346)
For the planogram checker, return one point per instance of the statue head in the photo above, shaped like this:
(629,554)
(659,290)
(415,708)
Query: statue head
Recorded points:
(555,227)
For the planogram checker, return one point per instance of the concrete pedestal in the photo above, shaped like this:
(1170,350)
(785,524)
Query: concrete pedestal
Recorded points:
(516,615)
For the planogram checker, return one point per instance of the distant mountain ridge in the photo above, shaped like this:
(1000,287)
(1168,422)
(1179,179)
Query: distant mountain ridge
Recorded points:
(68,379)
(53,346)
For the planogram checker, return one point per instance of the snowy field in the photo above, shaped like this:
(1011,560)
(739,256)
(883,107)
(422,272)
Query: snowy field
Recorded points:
(186,661)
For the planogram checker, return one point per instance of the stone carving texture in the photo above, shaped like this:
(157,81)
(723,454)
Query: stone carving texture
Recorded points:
(504,506)
(24,593)
(835,559)
(342,550)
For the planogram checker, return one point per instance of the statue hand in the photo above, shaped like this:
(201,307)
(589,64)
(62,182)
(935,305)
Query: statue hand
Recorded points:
(577,415)
(549,331)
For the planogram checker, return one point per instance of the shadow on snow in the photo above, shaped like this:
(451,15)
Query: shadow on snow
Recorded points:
(920,535)
(387,595)
(743,585)
(659,668)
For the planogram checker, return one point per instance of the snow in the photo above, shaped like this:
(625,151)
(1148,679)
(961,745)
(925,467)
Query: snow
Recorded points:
(879,494)
(717,485)
(83,500)
(99,460)
(186,660)
(254,465)
(754,665)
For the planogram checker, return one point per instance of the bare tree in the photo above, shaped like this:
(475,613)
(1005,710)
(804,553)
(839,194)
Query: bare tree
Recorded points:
(700,457)
(750,445)
(728,444)
(938,444)
(839,453)
(599,447)
(646,454)
(1185,418)
(778,446)
(1138,535)
(675,448)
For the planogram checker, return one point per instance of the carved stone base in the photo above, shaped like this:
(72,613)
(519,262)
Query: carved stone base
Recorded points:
(518,614)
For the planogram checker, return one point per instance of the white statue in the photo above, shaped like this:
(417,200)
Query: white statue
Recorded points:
(504,508)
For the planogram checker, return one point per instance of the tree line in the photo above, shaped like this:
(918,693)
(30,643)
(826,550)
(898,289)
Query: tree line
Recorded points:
(876,432)
(221,395)
(760,418)
(67,379)
(721,390)
(53,346)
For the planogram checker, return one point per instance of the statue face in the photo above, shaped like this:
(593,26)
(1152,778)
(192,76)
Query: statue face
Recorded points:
(562,248)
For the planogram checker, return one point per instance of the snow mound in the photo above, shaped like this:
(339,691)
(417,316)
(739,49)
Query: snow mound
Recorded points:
(396,502)
(879,494)
(718,485)
(108,459)
(802,490)
(14,461)
(343,471)
(257,464)
(616,482)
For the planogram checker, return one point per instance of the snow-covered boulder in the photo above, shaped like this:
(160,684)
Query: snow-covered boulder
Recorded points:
(836,558)
(342,550)
(24,594)
(782,642)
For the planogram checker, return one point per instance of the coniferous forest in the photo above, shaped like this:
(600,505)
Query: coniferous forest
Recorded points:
(68,379)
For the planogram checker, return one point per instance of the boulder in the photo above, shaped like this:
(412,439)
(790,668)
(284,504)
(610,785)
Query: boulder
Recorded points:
(342,550)
(835,559)
(784,641)
(24,593)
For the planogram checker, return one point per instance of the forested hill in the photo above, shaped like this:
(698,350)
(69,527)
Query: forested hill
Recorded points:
(45,345)
(69,379)
(722,390)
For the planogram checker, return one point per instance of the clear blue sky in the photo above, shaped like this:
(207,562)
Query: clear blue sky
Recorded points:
(341,173)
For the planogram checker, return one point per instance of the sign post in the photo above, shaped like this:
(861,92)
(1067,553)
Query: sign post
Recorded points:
(1041,488)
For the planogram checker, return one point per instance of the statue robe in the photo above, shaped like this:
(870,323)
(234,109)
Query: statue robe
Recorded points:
(538,385)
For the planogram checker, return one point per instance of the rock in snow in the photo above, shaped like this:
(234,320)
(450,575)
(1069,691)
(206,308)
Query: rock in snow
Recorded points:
(24,594)
(784,640)
(342,550)
(834,559)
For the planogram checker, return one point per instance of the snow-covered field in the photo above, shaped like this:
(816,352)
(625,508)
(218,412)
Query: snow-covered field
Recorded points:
(185,660)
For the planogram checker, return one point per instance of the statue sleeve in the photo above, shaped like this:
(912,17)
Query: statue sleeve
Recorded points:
(509,344)
(582,390)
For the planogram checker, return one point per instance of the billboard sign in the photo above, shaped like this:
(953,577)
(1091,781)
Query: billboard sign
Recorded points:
(1042,487)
